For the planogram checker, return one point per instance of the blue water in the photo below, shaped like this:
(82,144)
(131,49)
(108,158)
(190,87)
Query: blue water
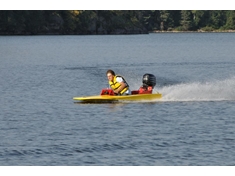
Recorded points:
(193,124)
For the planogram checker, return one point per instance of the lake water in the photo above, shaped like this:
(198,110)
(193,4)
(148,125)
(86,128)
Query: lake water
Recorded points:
(193,124)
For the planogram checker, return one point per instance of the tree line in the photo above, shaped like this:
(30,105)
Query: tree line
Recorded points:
(33,22)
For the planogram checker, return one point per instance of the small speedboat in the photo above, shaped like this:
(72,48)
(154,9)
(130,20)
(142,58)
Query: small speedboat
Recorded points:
(144,93)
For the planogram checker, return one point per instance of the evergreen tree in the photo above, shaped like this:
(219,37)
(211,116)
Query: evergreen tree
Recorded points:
(230,22)
(186,21)
(217,19)
(112,21)
(164,17)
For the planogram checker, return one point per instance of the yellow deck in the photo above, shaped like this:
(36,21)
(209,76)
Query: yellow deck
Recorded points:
(137,97)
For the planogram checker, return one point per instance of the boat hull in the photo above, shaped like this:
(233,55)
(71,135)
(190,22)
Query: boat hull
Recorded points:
(110,98)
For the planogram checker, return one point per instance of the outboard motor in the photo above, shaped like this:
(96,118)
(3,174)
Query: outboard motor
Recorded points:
(149,80)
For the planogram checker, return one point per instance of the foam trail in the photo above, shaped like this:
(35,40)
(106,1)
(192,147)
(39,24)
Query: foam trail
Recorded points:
(217,90)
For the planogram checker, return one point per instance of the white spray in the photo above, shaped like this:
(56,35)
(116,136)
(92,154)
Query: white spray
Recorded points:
(217,90)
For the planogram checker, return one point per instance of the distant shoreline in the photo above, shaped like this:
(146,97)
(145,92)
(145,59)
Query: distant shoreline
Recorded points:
(198,31)
(118,33)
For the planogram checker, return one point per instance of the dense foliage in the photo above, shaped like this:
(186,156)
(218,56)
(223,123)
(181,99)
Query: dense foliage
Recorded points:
(113,22)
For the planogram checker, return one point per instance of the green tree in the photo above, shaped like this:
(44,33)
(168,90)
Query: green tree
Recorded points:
(112,21)
(186,21)
(230,20)
(151,19)
(68,20)
(217,18)
(164,17)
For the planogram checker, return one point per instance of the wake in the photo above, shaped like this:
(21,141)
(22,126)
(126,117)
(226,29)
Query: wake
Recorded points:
(216,90)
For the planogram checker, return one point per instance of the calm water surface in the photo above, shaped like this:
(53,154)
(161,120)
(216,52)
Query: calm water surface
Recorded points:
(193,124)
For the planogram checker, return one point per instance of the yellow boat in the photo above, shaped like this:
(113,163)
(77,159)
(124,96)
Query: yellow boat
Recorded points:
(112,98)
(143,94)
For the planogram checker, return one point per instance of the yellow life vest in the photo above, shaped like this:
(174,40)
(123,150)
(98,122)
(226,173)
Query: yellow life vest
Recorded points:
(115,85)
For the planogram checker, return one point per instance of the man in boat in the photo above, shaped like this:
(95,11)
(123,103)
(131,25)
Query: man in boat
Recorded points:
(117,83)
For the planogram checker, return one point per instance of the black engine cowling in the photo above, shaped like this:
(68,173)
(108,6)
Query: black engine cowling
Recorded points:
(149,80)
